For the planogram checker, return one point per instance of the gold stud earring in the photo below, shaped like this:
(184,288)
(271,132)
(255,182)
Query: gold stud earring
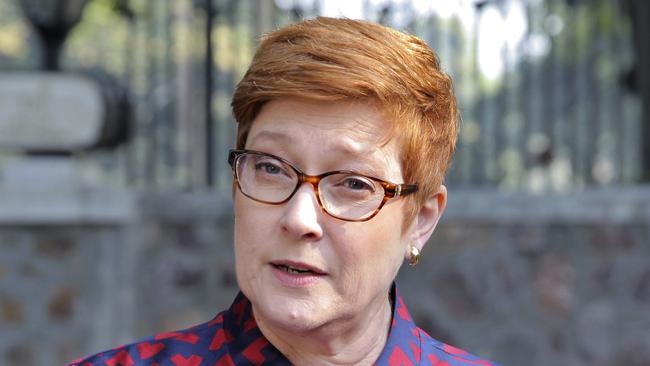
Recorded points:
(414,256)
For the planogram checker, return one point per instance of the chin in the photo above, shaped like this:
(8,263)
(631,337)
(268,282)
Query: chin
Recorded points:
(290,313)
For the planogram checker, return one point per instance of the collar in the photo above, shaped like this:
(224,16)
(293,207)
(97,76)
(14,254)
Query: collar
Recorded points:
(403,346)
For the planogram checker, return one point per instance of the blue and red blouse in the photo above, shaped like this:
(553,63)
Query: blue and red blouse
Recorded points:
(233,338)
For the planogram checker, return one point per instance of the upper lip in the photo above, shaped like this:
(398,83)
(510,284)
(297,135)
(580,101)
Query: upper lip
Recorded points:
(298,265)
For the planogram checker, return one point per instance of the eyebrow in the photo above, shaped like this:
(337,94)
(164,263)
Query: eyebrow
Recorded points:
(366,167)
(270,135)
(344,148)
(359,156)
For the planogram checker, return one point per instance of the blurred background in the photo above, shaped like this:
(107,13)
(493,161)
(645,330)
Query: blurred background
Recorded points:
(115,208)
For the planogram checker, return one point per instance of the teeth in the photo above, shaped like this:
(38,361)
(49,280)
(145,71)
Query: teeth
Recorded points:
(293,270)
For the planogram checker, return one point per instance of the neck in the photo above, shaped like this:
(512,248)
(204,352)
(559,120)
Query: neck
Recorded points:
(357,341)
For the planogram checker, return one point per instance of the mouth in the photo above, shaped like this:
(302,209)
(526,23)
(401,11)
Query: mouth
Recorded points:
(299,269)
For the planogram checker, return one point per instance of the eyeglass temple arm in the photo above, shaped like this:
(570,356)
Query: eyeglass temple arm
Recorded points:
(401,190)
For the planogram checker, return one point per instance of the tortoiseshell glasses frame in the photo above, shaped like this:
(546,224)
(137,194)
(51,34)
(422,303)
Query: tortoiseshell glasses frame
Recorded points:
(390,190)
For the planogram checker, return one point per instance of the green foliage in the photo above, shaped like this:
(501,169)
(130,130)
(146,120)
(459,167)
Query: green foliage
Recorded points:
(14,35)
(100,38)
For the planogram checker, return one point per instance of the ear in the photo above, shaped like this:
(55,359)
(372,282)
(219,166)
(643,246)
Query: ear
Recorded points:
(427,219)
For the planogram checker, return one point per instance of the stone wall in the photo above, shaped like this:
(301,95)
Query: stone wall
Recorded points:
(547,280)
(524,280)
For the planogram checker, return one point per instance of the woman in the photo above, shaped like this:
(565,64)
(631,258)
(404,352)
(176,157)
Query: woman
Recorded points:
(346,129)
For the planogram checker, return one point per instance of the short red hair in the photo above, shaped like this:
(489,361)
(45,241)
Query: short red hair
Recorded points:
(342,59)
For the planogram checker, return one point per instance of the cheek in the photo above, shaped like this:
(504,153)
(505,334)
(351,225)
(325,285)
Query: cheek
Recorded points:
(248,255)
(247,242)
(391,243)
(375,254)
(250,221)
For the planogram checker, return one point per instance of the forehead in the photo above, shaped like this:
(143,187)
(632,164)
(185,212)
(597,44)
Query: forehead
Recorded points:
(339,131)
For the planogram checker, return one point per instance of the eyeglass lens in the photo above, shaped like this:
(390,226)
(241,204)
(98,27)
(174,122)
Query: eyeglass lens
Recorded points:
(343,195)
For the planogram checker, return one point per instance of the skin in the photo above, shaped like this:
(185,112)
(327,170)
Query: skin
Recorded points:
(344,316)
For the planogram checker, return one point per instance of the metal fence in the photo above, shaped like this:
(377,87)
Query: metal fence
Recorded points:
(541,84)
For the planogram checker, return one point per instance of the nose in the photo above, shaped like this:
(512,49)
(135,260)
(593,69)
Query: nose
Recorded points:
(302,215)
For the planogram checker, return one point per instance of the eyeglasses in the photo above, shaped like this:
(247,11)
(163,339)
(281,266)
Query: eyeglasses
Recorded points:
(343,194)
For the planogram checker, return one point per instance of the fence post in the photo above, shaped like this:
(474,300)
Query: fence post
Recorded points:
(643,61)
(209,67)
(640,15)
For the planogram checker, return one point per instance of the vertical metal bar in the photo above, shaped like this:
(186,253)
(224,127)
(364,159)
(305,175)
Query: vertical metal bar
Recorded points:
(185,120)
(547,117)
(591,127)
(525,87)
(263,16)
(509,173)
(641,26)
(151,159)
(472,154)
(535,100)
(129,148)
(607,94)
(138,84)
(231,17)
(559,83)
(617,46)
(169,149)
(625,151)
(487,142)
(579,99)
(209,67)
(296,12)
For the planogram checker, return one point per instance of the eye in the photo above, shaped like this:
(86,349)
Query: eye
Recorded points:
(269,167)
(357,183)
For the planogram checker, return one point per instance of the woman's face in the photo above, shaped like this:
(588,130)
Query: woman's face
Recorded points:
(349,265)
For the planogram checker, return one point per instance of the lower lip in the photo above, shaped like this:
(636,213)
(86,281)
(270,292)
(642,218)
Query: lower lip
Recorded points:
(296,280)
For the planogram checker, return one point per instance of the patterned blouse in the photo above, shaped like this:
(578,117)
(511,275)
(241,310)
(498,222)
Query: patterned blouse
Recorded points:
(233,338)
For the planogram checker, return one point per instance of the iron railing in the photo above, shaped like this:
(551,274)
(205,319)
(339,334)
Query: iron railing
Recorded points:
(541,84)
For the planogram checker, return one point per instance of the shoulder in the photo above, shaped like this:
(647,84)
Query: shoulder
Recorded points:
(436,353)
(182,347)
